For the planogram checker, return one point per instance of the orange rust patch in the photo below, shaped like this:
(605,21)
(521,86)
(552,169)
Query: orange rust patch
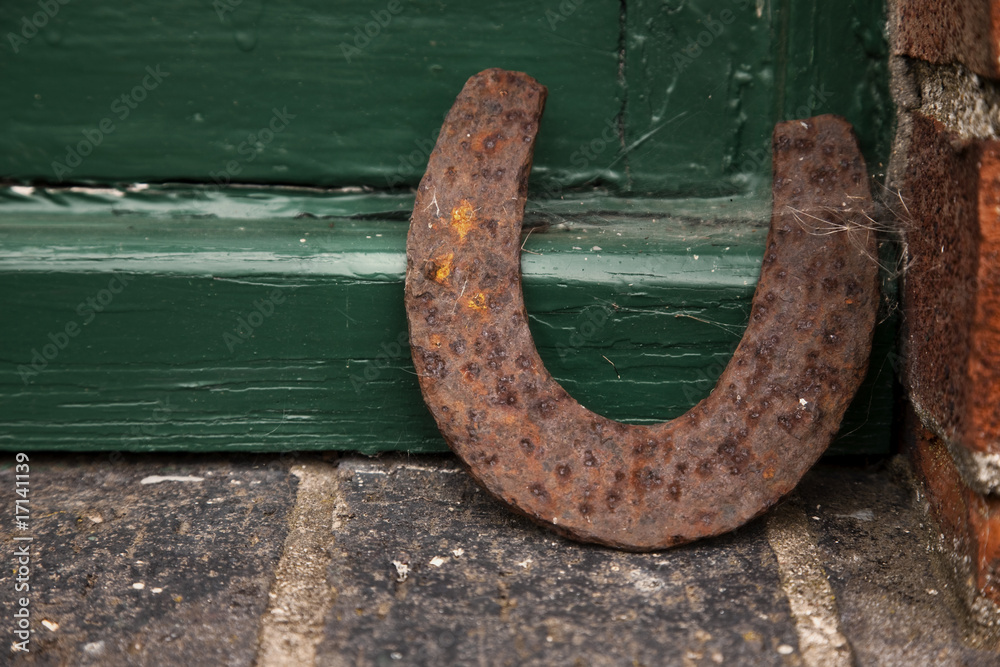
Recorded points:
(768,473)
(478,302)
(441,268)
(463,218)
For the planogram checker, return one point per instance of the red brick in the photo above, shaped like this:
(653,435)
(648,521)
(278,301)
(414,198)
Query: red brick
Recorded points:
(945,31)
(969,521)
(951,296)
(984,352)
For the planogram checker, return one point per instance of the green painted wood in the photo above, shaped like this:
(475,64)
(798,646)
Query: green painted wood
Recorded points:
(708,79)
(634,109)
(365,118)
(700,80)
(837,59)
(673,98)
(145,311)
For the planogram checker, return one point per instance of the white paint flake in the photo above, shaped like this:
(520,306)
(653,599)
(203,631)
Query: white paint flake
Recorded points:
(156,479)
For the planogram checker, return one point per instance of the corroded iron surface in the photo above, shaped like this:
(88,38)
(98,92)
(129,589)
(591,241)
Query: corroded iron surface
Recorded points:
(733,455)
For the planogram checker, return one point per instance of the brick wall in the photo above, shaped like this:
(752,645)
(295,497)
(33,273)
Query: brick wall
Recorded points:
(946,167)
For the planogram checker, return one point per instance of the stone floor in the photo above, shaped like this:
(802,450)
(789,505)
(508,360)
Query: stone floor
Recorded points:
(303,559)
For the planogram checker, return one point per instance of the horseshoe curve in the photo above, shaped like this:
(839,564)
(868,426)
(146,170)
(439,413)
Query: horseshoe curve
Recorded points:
(773,411)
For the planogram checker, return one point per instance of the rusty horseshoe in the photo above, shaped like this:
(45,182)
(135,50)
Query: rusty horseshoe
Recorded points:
(775,409)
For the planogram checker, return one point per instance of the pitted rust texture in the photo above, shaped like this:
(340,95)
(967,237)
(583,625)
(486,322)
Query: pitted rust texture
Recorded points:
(736,453)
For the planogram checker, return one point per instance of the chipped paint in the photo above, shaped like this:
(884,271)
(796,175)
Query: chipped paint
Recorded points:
(157,479)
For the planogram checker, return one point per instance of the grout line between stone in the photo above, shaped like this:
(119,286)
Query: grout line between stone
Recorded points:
(810,597)
(293,625)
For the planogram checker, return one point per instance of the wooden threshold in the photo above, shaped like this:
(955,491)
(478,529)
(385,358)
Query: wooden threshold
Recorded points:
(184,318)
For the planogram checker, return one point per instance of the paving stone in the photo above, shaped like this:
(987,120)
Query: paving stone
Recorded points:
(421,567)
(430,570)
(130,573)
(898,605)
